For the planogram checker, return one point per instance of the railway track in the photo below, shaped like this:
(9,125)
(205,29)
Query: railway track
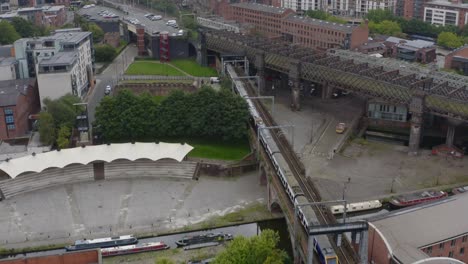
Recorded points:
(324,215)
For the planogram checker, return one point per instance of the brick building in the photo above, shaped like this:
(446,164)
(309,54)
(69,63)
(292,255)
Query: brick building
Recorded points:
(410,50)
(283,22)
(435,233)
(18,100)
(458,60)
(55,16)
(443,13)
(410,9)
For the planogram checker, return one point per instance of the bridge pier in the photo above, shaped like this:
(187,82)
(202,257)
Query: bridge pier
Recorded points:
(260,65)
(416,108)
(201,50)
(363,247)
(295,82)
(326,91)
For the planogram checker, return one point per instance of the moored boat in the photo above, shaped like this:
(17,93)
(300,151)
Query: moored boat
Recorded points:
(205,238)
(102,242)
(417,198)
(460,190)
(132,249)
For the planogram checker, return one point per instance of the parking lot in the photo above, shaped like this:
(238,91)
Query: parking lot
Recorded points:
(92,14)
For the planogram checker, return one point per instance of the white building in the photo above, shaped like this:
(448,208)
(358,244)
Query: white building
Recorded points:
(8,68)
(446,13)
(351,8)
(304,5)
(62,62)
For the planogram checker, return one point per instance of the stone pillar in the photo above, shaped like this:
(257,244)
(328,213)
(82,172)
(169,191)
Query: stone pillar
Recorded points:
(294,81)
(260,65)
(201,49)
(326,91)
(416,108)
(98,169)
(450,135)
(363,247)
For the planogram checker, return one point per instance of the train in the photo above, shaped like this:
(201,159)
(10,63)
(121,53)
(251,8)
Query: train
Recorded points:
(306,214)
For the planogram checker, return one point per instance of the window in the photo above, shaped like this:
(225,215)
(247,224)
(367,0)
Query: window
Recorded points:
(452,243)
(462,251)
(464,239)
(11,127)
(441,246)
(429,250)
(8,111)
(450,254)
(9,119)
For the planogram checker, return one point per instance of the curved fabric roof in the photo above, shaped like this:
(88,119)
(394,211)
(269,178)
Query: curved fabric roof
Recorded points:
(86,155)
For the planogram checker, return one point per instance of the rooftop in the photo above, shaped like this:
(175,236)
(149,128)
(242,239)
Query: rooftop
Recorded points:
(419,44)
(409,229)
(9,90)
(447,3)
(54,8)
(7,61)
(72,37)
(60,59)
(318,22)
(5,50)
(262,8)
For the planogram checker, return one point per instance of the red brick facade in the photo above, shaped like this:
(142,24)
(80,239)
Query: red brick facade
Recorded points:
(458,60)
(453,248)
(82,257)
(54,17)
(378,251)
(27,103)
(277,22)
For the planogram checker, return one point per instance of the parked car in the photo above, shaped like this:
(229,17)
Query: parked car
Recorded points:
(154,18)
(340,128)
(214,80)
(108,90)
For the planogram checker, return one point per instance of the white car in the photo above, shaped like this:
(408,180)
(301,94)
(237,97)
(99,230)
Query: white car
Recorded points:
(154,18)
(214,80)
(108,90)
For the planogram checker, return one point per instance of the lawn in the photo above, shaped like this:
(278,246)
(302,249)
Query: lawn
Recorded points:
(216,149)
(152,68)
(191,67)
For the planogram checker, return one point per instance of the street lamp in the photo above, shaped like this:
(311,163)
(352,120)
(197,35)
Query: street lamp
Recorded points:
(345,184)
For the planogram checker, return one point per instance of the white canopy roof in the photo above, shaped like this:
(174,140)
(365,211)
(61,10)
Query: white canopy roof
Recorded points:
(86,155)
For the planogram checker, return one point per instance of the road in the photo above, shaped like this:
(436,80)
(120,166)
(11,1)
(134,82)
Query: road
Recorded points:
(110,76)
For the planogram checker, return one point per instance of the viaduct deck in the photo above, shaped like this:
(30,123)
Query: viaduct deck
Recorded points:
(434,92)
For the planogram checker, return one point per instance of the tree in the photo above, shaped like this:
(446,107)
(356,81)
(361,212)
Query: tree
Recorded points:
(8,33)
(98,33)
(24,27)
(449,40)
(318,14)
(379,15)
(104,53)
(258,249)
(63,139)
(164,261)
(46,128)
(63,110)
(385,27)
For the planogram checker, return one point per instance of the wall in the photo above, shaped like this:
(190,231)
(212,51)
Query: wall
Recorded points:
(7,72)
(461,52)
(82,257)
(54,85)
(359,36)
(378,251)
(435,250)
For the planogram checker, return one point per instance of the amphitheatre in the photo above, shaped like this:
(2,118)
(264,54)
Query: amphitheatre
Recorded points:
(58,196)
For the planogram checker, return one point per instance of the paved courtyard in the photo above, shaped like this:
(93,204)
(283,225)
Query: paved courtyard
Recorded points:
(64,214)
(375,169)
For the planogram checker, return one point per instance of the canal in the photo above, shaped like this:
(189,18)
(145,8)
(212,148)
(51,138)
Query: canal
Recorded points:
(247,230)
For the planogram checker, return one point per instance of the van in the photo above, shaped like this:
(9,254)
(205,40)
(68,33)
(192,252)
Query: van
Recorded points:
(171,22)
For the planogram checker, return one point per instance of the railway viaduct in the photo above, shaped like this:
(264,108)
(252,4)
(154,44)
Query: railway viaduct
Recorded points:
(438,93)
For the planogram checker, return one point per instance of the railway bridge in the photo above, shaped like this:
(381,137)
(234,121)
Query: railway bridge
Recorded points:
(420,90)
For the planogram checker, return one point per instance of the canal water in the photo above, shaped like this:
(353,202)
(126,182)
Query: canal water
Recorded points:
(247,230)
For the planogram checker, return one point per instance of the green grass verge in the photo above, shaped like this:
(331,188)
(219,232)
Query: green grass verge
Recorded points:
(152,68)
(215,149)
(191,67)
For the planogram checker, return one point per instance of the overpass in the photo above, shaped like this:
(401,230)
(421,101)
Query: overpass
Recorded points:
(437,93)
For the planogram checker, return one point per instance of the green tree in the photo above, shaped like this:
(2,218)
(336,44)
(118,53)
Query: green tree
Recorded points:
(98,33)
(385,27)
(104,53)
(63,139)
(8,33)
(379,15)
(63,110)
(318,14)
(255,250)
(24,27)
(164,261)
(449,40)
(46,128)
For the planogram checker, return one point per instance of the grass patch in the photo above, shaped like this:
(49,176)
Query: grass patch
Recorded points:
(152,68)
(156,81)
(191,67)
(217,149)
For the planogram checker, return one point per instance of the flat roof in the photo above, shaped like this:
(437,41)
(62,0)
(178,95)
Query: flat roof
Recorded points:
(409,229)
(5,50)
(447,3)
(9,90)
(60,59)
(7,61)
(108,153)
(262,8)
(419,44)
(73,37)
(54,8)
(317,22)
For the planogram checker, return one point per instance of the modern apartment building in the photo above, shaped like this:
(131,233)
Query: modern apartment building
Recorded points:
(444,13)
(63,62)
(352,8)
(283,22)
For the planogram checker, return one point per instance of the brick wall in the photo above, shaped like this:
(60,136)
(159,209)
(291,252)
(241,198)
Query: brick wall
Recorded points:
(359,36)
(462,52)
(456,246)
(378,251)
(82,257)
